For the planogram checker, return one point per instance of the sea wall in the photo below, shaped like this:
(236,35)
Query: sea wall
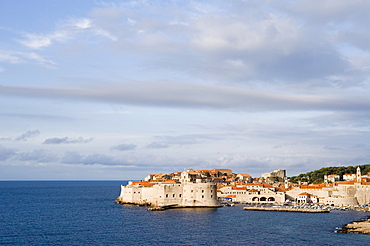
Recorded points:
(187,194)
(363,193)
(287,209)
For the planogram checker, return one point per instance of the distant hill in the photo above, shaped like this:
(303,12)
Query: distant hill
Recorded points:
(317,177)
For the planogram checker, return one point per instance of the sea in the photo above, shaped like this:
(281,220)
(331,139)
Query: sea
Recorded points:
(84,213)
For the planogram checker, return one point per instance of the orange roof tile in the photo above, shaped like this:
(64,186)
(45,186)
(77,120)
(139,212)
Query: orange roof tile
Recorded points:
(311,187)
(239,188)
(304,194)
(245,175)
(143,183)
(350,182)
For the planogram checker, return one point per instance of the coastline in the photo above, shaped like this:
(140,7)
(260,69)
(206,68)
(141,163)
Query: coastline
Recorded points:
(360,227)
(284,209)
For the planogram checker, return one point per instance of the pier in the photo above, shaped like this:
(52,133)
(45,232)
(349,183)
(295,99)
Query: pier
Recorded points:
(287,209)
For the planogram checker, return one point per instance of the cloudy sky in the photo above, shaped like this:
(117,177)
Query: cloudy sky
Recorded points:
(119,89)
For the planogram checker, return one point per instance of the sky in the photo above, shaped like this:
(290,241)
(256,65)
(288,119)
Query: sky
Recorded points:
(116,90)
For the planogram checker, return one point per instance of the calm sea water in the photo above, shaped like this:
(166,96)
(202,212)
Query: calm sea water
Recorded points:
(84,213)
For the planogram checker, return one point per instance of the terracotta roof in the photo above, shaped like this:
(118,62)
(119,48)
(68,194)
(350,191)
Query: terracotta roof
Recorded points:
(304,194)
(170,181)
(245,175)
(221,170)
(349,182)
(143,183)
(253,184)
(239,188)
(311,187)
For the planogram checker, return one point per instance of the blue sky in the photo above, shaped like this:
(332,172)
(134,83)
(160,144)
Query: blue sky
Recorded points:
(119,89)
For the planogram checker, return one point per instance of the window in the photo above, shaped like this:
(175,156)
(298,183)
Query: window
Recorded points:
(203,196)
(166,195)
(173,195)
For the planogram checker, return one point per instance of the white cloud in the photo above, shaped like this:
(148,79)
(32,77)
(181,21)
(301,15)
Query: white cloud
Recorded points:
(9,57)
(66,31)
(36,41)
(14,57)
(82,23)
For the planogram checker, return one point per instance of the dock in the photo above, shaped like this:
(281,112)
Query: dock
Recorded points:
(287,209)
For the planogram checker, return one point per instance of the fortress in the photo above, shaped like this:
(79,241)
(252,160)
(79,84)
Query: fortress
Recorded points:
(189,191)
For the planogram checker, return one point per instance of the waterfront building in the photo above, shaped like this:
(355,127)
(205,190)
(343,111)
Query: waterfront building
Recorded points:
(252,193)
(191,191)
(203,188)
(304,198)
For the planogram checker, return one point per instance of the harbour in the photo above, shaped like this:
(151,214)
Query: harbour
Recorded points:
(287,209)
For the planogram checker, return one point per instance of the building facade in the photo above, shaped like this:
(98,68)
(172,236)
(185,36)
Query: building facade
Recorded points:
(189,192)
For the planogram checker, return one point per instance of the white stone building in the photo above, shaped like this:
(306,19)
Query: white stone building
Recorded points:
(189,192)
(244,177)
(331,178)
(280,174)
(252,193)
(349,176)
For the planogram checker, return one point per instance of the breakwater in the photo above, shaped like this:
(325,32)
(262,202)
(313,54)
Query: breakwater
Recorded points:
(287,209)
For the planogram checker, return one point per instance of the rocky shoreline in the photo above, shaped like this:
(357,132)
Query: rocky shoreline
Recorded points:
(360,227)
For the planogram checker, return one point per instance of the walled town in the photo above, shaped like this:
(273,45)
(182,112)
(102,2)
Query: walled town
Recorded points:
(207,188)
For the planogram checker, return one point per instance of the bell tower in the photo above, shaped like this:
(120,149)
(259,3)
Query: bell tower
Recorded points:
(358,174)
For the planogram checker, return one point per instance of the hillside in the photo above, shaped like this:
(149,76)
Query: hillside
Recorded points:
(317,176)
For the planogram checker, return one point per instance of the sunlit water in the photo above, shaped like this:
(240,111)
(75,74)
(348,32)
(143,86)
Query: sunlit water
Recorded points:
(84,213)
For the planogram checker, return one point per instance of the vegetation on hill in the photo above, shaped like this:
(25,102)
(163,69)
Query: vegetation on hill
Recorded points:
(317,177)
